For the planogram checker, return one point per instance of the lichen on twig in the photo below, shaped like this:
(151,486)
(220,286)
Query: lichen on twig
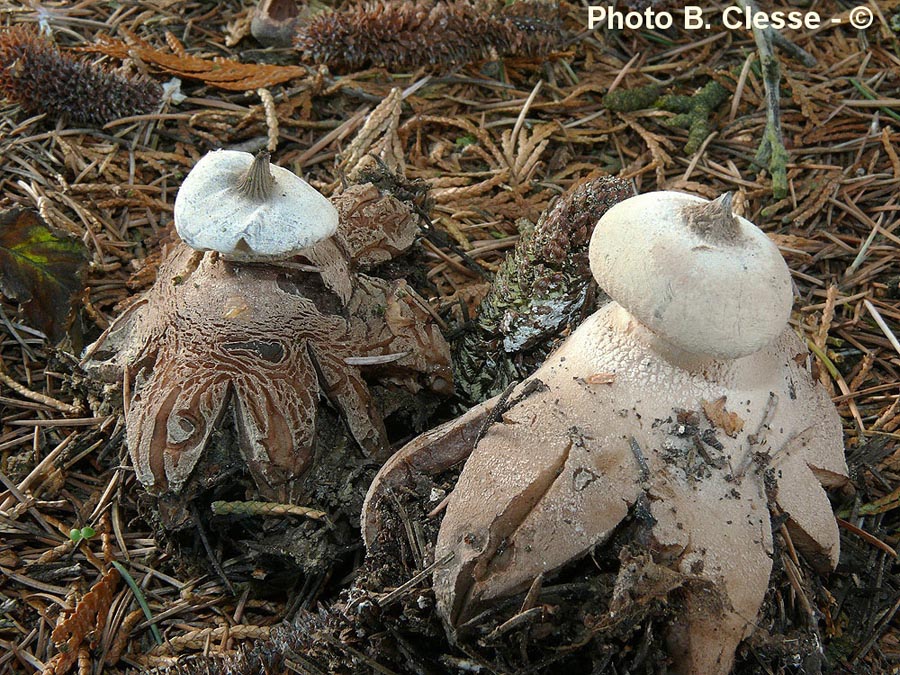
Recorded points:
(771,152)
(540,289)
(694,112)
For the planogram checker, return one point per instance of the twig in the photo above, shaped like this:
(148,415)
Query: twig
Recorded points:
(520,120)
(771,151)
(793,49)
(268,102)
(374,360)
(251,508)
(641,460)
(210,551)
(494,416)
(40,470)
(49,401)
(199,638)
(882,324)
(513,623)
(440,507)
(793,573)
(866,537)
(876,634)
(533,594)
(365,659)
(414,581)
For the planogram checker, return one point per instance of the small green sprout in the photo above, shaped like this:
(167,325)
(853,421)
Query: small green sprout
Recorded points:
(77,534)
(465,141)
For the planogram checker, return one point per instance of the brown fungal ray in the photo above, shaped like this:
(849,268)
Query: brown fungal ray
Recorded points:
(213,337)
(388,318)
(374,227)
(561,468)
(391,320)
(378,220)
(335,267)
(431,453)
(345,386)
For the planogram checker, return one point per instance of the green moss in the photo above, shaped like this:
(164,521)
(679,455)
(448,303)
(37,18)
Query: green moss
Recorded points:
(693,113)
(465,141)
(629,100)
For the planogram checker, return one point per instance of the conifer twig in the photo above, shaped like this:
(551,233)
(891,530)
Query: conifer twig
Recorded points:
(771,152)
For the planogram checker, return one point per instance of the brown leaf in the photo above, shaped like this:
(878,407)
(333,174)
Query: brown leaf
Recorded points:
(41,268)
(89,617)
(601,378)
(218,72)
(728,422)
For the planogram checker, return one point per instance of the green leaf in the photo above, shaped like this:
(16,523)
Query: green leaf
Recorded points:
(465,141)
(142,601)
(85,533)
(41,268)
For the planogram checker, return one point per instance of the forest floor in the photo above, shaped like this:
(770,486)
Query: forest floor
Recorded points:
(496,141)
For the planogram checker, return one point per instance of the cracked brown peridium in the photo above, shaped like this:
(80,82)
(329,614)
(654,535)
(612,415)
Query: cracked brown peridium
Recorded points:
(265,344)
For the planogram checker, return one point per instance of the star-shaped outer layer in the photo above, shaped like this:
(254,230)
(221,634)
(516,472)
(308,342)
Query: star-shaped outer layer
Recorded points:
(607,421)
(213,338)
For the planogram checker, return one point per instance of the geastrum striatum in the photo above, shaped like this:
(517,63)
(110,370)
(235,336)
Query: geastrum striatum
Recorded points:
(256,320)
(687,400)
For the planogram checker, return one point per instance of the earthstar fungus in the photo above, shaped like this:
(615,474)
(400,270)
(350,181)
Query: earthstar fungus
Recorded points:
(687,397)
(230,336)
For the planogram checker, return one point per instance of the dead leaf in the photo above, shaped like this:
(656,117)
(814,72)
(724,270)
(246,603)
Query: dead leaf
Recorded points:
(220,73)
(728,422)
(88,618)
(40,268)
